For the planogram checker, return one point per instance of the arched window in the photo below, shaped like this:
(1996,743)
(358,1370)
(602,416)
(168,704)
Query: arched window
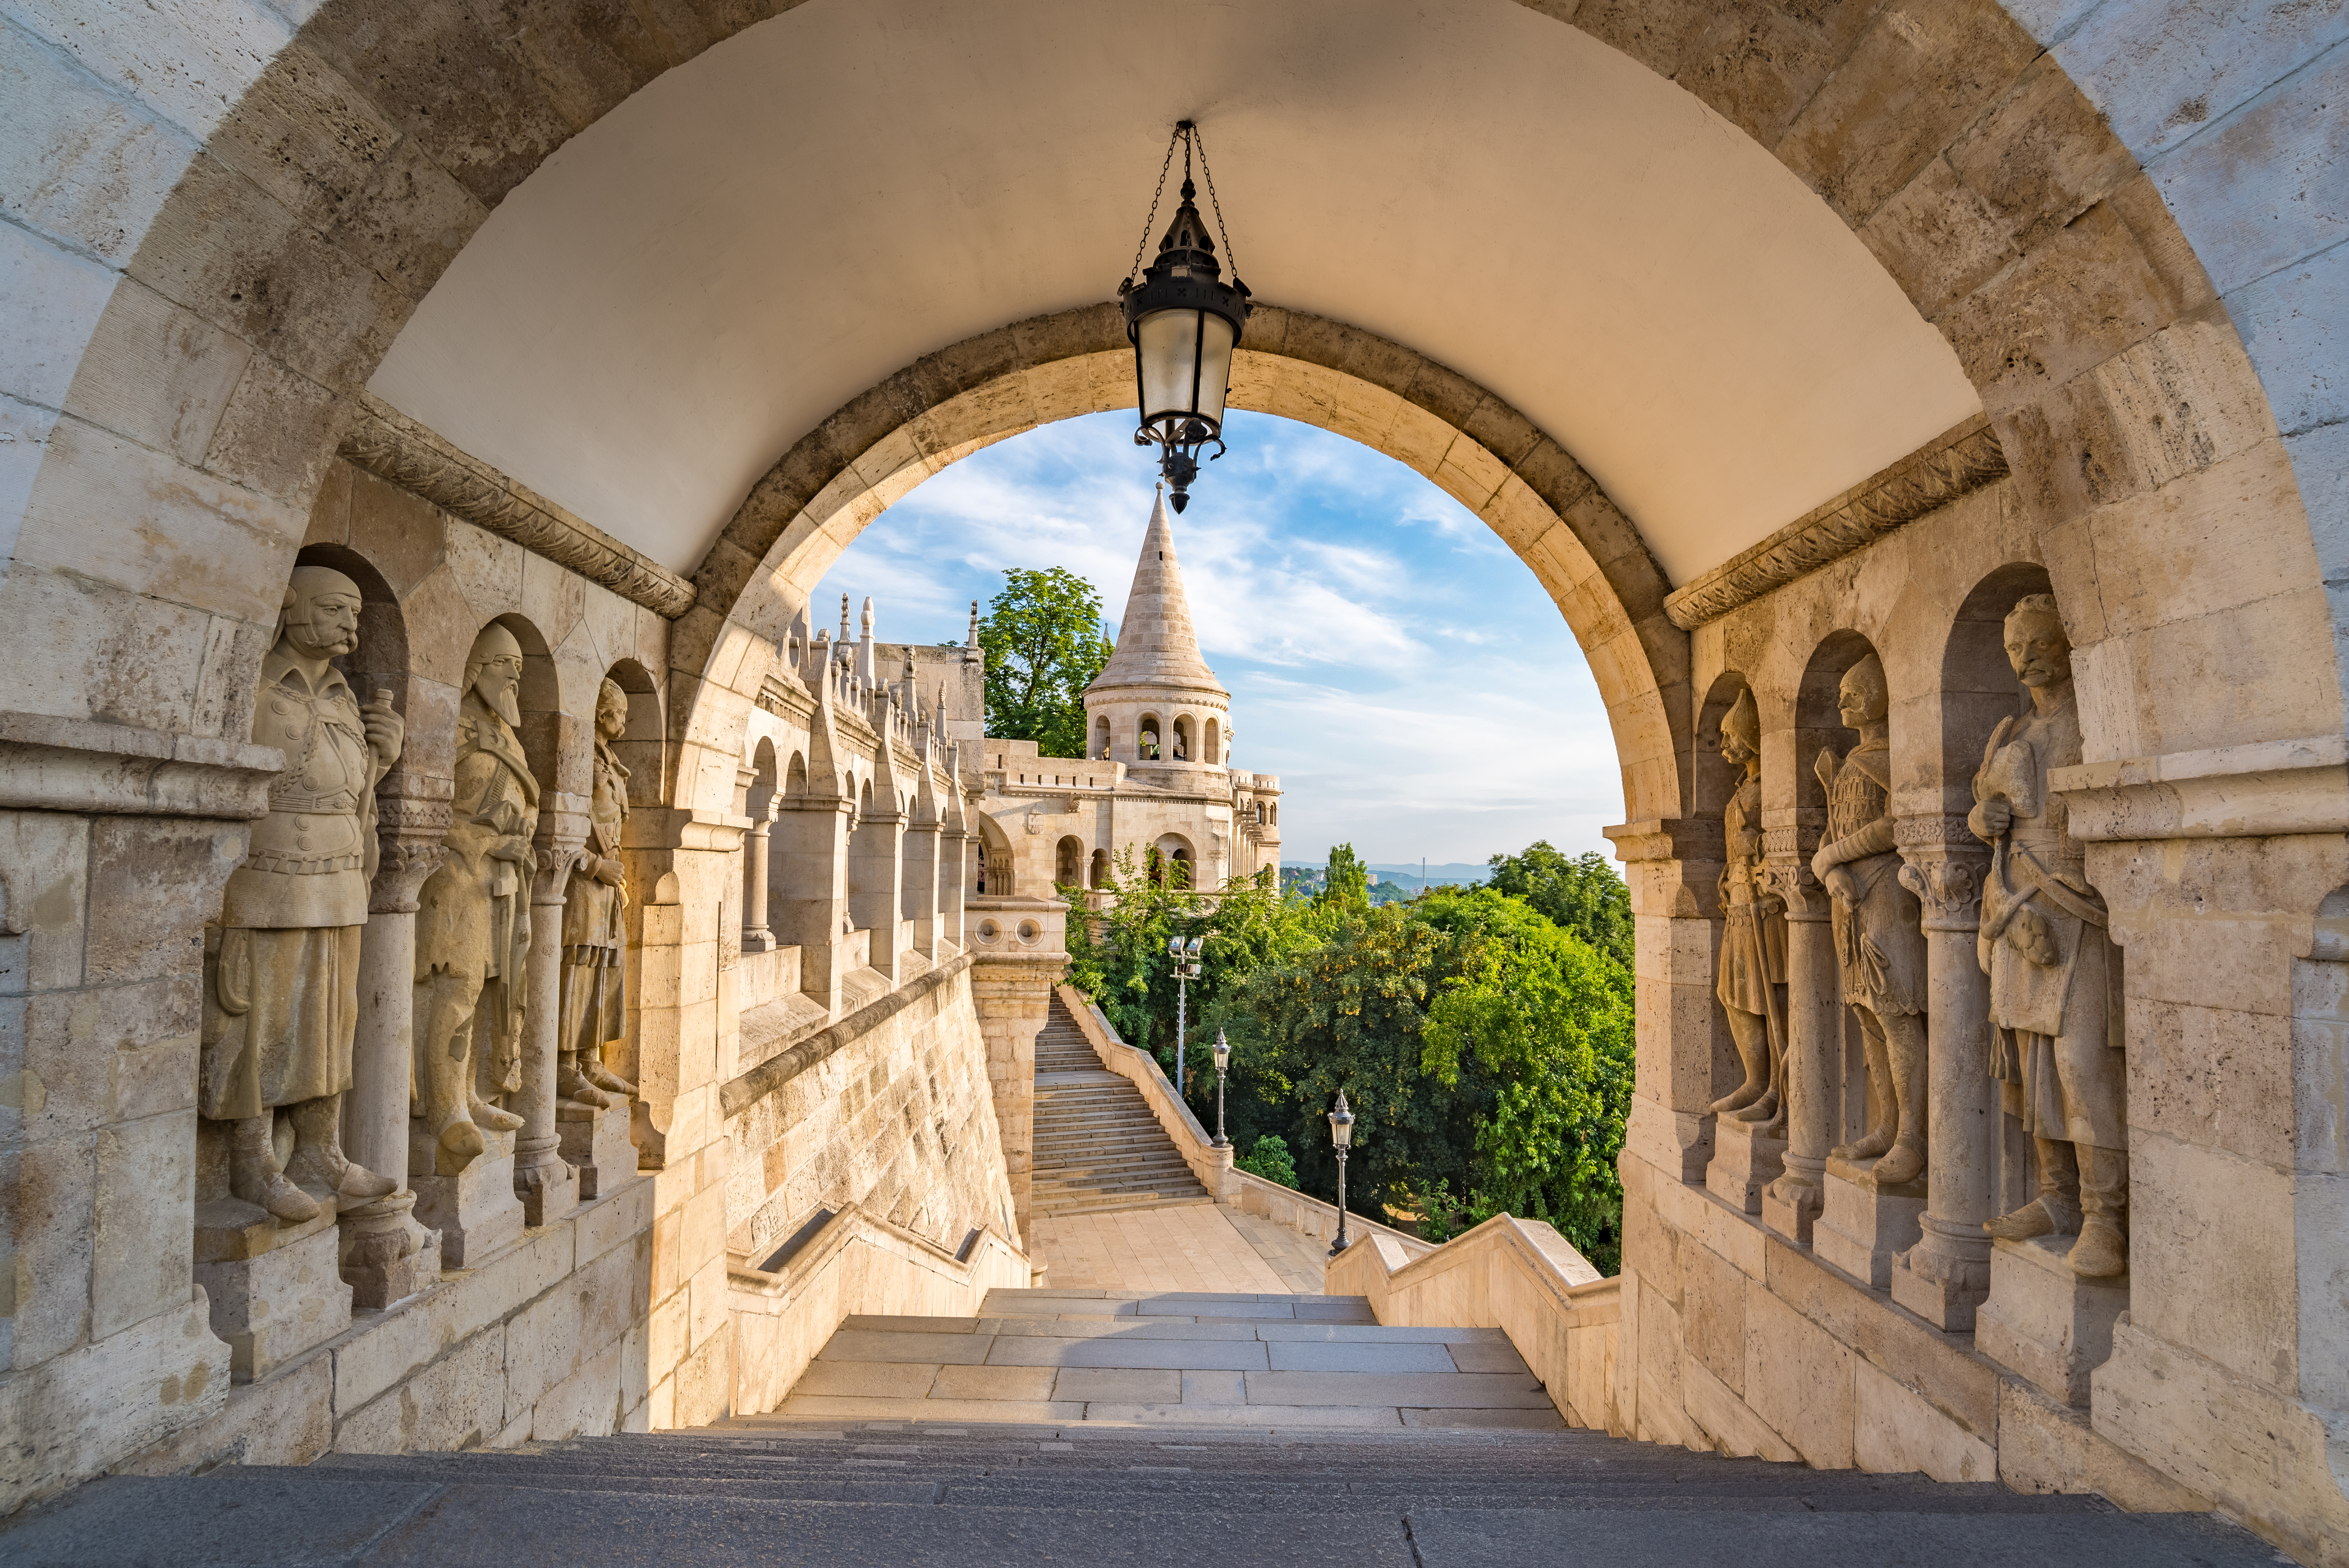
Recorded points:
(1100,870)
(1069,862)
(1181,752)
(1101,738)
(1145,745)
(1215,747)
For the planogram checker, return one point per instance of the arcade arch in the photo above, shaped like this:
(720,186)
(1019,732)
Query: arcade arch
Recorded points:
(157,527)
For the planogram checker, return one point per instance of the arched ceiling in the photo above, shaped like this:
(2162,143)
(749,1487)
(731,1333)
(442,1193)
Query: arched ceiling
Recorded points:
(692,284)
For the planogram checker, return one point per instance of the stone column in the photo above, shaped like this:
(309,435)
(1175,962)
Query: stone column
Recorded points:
(756,936)
(922,840)
(1674,871)
(810,902)
(386,1255)
(1946,1275)
(953,863)
(1018,950)
(548,1188)
(1813,1035)
(876,870)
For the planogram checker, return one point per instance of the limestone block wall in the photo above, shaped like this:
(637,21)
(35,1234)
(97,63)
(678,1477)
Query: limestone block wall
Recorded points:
(891,1109)
(1884,1330)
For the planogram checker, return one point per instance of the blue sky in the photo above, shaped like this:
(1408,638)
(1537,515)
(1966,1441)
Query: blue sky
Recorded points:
(1387,654)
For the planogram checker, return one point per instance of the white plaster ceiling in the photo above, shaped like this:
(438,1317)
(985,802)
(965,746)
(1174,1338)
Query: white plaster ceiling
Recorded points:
(684,290)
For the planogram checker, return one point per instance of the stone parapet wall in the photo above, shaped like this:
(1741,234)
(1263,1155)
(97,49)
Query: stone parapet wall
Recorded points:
(1517,1275)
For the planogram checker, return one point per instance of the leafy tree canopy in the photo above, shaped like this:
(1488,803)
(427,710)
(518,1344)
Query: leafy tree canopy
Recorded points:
(1346,884)
(1043,644)
(1583,894)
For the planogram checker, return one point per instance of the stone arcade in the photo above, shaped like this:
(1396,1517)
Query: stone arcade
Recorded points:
(1928,416)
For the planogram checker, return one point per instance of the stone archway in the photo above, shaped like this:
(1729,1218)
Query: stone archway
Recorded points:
(221,249)
(1522,483)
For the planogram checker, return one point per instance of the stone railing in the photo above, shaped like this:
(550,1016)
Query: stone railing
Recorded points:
(1517,1275)
(857,1262)
(1213,1166)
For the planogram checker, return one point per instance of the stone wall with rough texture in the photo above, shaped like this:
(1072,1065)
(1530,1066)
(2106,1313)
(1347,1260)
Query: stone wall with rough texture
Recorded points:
(891,1109)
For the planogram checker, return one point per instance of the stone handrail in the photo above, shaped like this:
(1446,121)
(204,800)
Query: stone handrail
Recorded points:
(1225,1181)
(1517,1275)
(859,1262)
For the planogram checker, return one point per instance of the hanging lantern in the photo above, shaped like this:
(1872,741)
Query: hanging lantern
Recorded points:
(1183,322)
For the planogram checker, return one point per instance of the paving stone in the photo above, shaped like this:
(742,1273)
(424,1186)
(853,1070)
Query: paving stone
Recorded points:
(1126,1385)
(1028,1383)
(1173,1354)
(860,1345)
(1461,1391)
(1359,1356)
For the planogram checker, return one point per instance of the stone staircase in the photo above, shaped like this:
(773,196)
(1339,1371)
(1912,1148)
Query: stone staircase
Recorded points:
(1098,1148)
(1110,1429)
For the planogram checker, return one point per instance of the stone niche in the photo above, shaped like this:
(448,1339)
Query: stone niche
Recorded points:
(471,729)
(1957,1244)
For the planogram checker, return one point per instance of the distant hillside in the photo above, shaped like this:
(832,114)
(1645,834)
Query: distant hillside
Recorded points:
(1451,874)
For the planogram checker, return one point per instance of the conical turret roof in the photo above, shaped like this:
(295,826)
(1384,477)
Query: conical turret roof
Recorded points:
(1157,644)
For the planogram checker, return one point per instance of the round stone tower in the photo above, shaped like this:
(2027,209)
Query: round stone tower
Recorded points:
(1156,706)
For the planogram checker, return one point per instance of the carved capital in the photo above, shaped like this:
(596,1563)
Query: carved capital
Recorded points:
(1942,863)
(411,819)
(1787,862)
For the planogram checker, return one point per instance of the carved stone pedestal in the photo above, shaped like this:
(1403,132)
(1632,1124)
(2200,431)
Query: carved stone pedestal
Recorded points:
(475,1212)
(599,1149)
(545,1182)
(1944,1277)
(1864,1226)
(275,1291)
(2045,1323)
(386,1255)
(1743,1164)
(1790,1205)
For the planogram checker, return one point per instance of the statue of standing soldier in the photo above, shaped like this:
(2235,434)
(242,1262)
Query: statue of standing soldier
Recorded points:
(2056,1007)
(473,922)
(1753,937)
(282,997)
(595,937)
(1878,935)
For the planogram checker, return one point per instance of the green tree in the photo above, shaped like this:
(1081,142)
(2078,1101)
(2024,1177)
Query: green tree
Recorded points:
(1346,884)
(1270,1160)
(1583,894)
(1536,1025)
(1118,958)
(1043,644)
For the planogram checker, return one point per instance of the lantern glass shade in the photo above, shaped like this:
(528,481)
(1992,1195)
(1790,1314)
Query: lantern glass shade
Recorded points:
(1186,365)
(1342,1125)
(1223,1051)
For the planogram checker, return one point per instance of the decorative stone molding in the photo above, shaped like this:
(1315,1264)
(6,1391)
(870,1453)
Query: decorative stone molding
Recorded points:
(396,448)
(50,763)
(1960,459)
(2264,788)
(1668,839)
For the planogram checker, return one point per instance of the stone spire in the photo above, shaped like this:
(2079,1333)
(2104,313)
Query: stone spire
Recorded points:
(1157,645)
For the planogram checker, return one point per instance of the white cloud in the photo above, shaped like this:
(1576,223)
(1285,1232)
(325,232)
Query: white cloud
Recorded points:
(1387,655)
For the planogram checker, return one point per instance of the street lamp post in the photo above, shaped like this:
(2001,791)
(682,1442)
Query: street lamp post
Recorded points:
(1342,1136)
(1187,969)
(1223,1064)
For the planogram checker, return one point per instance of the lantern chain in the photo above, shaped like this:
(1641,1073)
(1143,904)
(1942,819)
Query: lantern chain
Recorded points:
(1221,233)
(1152,222)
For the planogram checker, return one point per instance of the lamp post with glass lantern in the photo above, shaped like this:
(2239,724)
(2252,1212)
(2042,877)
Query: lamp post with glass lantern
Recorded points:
(1183,320)
(1342,1136)
(1187,969)
(1223,1064)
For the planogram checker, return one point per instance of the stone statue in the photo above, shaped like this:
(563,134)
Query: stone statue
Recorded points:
(281,1004)
(593,938)
(1880,942)
(472,920)
(2055,1006)
(1753,936)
